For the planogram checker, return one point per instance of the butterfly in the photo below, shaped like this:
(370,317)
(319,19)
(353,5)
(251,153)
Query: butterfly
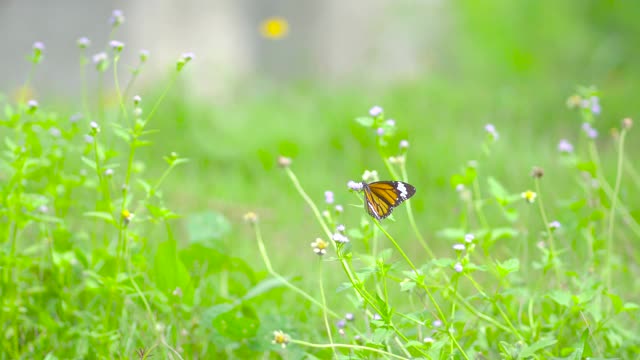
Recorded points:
(381,197)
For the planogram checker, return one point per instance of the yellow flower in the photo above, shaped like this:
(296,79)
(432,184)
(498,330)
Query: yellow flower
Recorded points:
(319,246)
(280,338)
(529,196)
(274,28)
(251,217)
(126,216)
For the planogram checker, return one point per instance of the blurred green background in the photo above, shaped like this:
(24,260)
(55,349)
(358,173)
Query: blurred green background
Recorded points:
(512,64)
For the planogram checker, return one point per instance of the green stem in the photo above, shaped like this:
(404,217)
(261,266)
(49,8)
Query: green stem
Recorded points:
(412,220)
(543,213)
(614,203)
(267,263)
(324,307)
(348,346)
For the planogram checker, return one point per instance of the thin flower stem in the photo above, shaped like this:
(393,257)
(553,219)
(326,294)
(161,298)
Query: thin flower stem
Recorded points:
(162,96)
(543,213)
(412,220)
(123,109)
(623,210)
(476,198)
(348,346)
(267,263)
(614,203)
(324,307)
(415,270)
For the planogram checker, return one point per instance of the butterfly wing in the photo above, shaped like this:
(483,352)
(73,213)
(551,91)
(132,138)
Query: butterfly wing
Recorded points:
(381,197)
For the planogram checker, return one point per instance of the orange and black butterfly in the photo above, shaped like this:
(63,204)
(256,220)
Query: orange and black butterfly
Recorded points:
(381,197)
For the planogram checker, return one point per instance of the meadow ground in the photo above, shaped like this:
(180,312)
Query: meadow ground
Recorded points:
(173,227)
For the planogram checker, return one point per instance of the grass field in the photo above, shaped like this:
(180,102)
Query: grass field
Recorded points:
(171,227)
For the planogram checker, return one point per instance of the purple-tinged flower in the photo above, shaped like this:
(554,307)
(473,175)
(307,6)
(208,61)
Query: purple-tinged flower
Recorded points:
(377,316)
(591,132)
(564,146)
(116,45)
(436,323)
(108,172)
(349,317)
(340,238)
(117,18)
(75,117)
(390,122)
(32,106)
(55,132)
(458,267)
(595,105)
(404,144)
(460,187)
(380,131)
(459,247)
(88,139)
(328,197)
(554,225)
(43,209)
(339,208)
(375,111)
(356,186)
(489,128)
(144,55)
(340,324)
(468,238)
(99,58)
(83,42)
(38,46)
(340,228)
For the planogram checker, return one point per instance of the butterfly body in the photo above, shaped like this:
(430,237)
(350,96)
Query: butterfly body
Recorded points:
(381,197)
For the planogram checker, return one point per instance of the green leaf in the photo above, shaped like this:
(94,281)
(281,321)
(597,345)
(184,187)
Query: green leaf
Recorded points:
(262,287)
(207,227)
(238,324)
(170,273)
(365,121)
(101,215)
(560,297)
(503,233)
(507,267)
(89,162)
(497,190)
(451,233)
(532,349)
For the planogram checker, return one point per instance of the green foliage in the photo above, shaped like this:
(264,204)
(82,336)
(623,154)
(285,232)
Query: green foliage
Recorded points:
(114,246)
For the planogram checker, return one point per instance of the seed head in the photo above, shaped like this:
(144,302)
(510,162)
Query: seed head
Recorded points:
(627,123)
(284,162)
(537,172)
(251,217)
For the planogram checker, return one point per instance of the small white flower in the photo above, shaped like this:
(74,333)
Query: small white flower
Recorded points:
(375,111)
(469,238)
(458,247)
(458,267)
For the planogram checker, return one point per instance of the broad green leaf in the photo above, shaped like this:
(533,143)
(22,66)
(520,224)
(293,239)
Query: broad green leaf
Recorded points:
(532,349)
(207,228)
(101,215)
(507,267)
(238,324)
(497,190)
(170,273)
(263,287)
(560,297)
